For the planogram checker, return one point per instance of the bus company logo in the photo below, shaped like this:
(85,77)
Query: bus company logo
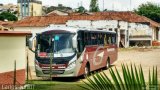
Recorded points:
(98,55)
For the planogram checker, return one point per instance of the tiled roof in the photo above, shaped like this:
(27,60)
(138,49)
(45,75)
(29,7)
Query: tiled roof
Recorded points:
(7,78)
(41,21)
(6,23)
(87,17)
(128,16)
(112,15)
(14,33)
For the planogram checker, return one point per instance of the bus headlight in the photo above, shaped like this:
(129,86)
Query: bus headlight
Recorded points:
(71,65)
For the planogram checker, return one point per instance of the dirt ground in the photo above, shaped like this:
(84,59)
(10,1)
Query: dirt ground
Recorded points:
(146,57)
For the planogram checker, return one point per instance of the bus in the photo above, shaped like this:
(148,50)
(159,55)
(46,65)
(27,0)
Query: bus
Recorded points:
(75,51)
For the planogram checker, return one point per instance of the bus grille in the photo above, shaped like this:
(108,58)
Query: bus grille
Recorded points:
(53,71)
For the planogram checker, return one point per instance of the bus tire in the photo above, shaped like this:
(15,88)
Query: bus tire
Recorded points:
(87,70)
(108,63)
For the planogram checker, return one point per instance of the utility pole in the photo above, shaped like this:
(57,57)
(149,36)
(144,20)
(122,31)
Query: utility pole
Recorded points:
(103,5)
(51,58)
(130,5)
(14,75)
(81,3)
(113,6)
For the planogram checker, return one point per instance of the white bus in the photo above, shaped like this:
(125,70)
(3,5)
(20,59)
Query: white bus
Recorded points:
(75,51)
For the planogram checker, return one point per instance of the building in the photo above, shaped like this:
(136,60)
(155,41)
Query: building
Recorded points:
(132,29)
(8,7)
(38,23)
(60,9)
(12,48)
(29,8)
(57,13)
(6,25)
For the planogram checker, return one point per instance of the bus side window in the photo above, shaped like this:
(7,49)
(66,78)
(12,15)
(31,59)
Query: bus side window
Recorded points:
(113,39)
(89,39)
(98,39)
(80,39)
(109,39)
(93,38)
(105,40)
(85,38)
(101,38)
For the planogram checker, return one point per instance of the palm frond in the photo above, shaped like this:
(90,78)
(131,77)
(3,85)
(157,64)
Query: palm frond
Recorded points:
(133,78)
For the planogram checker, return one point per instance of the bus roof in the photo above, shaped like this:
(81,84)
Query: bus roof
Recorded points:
(74,29)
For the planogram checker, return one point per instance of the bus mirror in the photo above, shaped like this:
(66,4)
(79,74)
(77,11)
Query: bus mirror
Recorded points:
(32,43)
(74,40)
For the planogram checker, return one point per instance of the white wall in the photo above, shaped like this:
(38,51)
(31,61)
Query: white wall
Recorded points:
(12,48)
(123,25)
(36,29)
(139,29)
(32,29)
(108,24)
(79,23)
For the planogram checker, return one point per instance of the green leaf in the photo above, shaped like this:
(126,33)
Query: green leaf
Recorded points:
(125,76)
(97,82)
(134,84)
(142,77)
(111,86)
(150,81)
(92,83)
(101,81)
(137,78)
(153,82)
(120,80)
(114,79)
(129,76)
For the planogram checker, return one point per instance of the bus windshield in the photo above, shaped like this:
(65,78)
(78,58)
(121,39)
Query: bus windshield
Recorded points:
(57,43)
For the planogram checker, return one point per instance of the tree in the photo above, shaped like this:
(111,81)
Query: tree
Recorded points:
(9,16)
(81,9)
(105,10)
(94,6)
(149,10)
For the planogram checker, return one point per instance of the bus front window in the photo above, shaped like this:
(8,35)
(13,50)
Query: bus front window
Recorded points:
(63,44)
(57,43)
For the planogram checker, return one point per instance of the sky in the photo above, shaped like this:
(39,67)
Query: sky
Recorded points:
(117,5)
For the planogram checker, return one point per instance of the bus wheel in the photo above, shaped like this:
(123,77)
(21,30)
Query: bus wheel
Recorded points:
(108,63)
(86,70)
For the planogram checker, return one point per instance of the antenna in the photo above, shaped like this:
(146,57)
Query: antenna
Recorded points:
(130,4)
(103,5)
(113,6)
(81,3)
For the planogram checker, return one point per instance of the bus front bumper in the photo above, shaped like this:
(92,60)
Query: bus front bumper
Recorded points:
(68,72)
